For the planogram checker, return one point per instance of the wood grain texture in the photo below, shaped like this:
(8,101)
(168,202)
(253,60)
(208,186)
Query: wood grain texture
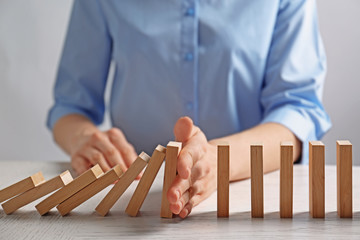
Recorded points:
(317,179)
(21,186)
(70,189)
(202,223)
(90,190)
(172,151)
(124,182)
(344,179)
(223,179)
(286,180)
(257,182)
(146,181)
(37,192)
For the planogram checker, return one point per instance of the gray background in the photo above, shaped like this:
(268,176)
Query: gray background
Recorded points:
(31,38)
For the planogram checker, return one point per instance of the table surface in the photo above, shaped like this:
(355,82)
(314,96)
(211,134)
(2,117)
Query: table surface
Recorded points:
(84,223)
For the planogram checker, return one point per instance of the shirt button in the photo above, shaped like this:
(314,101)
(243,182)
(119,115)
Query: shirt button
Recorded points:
(189,106)
(190,12)
(189,57)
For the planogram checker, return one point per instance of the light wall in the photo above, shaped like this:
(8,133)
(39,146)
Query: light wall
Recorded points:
(31,38)
(339,22)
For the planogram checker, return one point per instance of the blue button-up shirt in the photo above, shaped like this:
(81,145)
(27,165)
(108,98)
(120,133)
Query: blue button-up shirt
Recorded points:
(229,65)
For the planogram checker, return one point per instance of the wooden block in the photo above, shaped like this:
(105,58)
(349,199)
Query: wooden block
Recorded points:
(172,151)
(90,190)
(317,179)
(21,186)
(146,181)
(257,182)
(37,192)
(70,189)
(286,180)
(119,188)
(223,179)
(344,179)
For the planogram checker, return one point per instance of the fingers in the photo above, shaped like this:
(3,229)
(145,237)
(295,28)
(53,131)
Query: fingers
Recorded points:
(127,151)
(94,156)
(200,190)
(194,141)
(189,155)
(79,164)
(177,207)
(108,151)
(177,189)
(195,200)
(197,194)
(183,129)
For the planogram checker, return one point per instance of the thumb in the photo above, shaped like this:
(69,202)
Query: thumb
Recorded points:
(184,129)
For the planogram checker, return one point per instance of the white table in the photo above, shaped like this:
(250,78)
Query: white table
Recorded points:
(85,223)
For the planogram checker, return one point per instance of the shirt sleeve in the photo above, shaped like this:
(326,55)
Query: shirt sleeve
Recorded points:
(295,72)
(84,65)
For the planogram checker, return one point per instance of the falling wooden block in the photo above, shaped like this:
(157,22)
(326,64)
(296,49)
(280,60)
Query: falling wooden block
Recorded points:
(257,184)
(286,180)
(119,188)
(37,192)
(344,178)
(223,178)
(21,186)
(70,189)
(90,190)
(146,181)
(172,151)
(317,179)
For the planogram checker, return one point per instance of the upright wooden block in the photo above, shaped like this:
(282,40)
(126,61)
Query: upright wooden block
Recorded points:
(223,178)
(70,189)
(146,181)
(286,180)
(172,151)
(119,188)
(344,178)
(37,192)
(317,179)
(257,182)
(21,186)
(90,190)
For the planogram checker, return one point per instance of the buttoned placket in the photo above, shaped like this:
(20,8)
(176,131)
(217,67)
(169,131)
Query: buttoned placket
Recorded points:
(189,56)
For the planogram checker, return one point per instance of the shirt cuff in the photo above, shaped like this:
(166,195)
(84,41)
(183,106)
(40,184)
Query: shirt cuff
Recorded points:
(298,123)
(58,111)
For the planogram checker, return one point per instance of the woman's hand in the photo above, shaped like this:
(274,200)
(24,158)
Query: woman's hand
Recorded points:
(196,167)
(107,149)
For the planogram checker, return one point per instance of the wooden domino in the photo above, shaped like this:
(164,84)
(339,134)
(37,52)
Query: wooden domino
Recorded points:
(257,182)
(70,189)
(37,192)
(90,190)
(344,178)
(317,179)
(223,179)
(172,151)
(119,188)
(286,180)
(21,186)
(146,181)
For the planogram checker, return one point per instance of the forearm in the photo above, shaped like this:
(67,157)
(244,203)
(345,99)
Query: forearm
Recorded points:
(270,134)
(69,128)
